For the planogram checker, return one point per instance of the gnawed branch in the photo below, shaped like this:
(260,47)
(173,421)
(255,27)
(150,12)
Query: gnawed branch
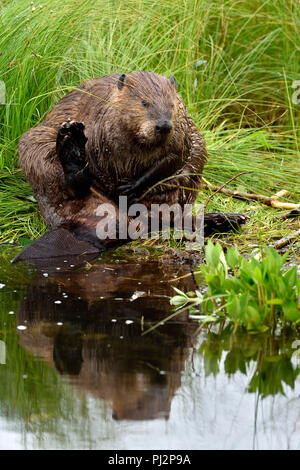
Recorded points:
(271,201)
(286,240)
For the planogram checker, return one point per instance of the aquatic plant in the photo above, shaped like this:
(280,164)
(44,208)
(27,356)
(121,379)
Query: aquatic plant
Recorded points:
(257,294)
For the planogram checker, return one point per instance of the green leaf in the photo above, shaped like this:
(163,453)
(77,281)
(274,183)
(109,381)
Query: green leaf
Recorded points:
(291,311)
(212,254)
(232,257)
(275,302)
(257,274)
(290,277)
(178,300)
(179,291)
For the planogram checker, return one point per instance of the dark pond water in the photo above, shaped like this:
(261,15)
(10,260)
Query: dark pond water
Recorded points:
(78,370)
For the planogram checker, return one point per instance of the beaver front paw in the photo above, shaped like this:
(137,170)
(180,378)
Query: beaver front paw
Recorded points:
(70,148)
(130,188)
(70,143)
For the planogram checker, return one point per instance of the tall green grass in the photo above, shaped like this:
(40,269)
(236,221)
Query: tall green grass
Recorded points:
(235,63)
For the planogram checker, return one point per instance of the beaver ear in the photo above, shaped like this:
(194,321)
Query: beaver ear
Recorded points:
(173,82)
(121,81)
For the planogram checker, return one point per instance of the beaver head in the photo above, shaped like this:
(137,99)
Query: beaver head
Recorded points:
(147,105)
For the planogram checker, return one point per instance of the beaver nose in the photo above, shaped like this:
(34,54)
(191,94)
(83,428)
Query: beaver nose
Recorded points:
(163,127)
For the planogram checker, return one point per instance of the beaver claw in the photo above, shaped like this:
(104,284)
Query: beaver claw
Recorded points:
(70,142)
(127,186)
(131,189)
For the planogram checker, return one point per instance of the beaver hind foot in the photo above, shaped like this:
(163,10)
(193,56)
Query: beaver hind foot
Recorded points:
(70,148)
(58,244)
(219,222)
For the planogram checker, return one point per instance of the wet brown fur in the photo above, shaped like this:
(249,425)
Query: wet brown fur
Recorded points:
(121,144)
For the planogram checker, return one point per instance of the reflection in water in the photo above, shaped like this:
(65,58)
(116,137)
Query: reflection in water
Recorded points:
(82,374)
(273,357)
(88,323)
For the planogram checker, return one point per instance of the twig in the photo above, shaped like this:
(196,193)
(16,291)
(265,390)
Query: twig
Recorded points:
(286,240)
(221,187)
(290,214)
(269,201)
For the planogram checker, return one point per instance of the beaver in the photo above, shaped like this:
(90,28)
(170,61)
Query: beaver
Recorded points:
(120,134)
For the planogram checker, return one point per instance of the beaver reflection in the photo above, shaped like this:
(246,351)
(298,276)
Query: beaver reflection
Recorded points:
(98,342)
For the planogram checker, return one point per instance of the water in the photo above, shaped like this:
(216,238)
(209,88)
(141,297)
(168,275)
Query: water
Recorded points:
(79,370)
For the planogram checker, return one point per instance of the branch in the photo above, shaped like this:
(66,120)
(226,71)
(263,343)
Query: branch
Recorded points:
(286,240)
(269,201)
(218,190)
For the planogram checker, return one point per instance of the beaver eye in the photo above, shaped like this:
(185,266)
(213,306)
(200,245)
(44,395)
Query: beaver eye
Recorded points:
(145,104)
